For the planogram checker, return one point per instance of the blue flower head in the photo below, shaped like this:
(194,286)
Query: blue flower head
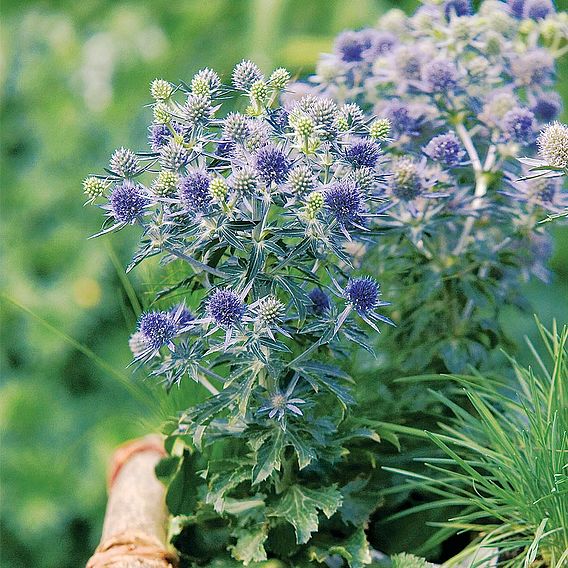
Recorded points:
(345,201)
(194,190)
(157,328)
(401,119)
(547,106)
(158,135)
(182,315)
(127,203)
(538,9)
(457,8)
(362,294)
(226,308)
(440,75)
(518,125)
(351,46)
(517,7)
(320,301)
(445,148)
(363,153)
(271,164)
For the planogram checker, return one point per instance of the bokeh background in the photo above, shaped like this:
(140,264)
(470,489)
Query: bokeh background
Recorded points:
(74,80)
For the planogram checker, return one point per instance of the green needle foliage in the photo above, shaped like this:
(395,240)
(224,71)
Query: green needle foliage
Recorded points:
(506,464)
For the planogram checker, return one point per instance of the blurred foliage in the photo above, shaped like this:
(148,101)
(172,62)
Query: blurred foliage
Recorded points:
(71,76)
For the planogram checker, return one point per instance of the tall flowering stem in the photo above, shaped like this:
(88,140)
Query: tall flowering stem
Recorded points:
(260,209)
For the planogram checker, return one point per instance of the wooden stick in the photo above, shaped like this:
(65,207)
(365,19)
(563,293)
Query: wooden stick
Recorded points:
(134,530)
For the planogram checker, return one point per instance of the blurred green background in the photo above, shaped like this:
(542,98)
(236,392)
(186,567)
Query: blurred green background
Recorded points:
(74,80)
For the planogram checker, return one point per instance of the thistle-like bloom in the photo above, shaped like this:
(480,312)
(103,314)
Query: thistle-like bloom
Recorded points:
(94,187)
(158,328)
(406,182)
(553,145)
(210,77)
(538,9)
(518,125)
(362,294)
(320,301)
(271,165)
(352,46)
(440,75)
(245,74)
(301,179)
(236,127)
(280,403)
(161,90)
(363,153)
(166,183)
(457,8)
(127,202)
(226,308)
(194,191)
(158,135)
(173,156)
(197,109)
(124,162)
(445,148)
(547,106)
(346,203)
(244,181)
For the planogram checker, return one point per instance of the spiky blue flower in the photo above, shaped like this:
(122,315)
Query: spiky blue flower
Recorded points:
(271,164)
(351,46)
(362,294)
(235,127)
(320,301)
(457,8)
(124,162)
(127,203)
(440,75)
(158,328)
(406,183)
(158,136)
(226,308)
(401,119)
(517,7)
(538,9)
(173,156)
(547,106)
(194,190)
(182,315)
(363,153)
(445,148)
(518,125)
(345,201)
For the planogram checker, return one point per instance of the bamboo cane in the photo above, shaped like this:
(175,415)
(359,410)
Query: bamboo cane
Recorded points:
(134,529)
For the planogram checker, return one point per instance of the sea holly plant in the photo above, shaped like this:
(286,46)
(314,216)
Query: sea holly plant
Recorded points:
(256,211)
(465,92)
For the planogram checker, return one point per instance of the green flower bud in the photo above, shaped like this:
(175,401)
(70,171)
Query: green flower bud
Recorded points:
(259,91)
(380,129)
(166,183)
(161,113)
(218,189)
(279,78)
(314,204)
(94,187)
(161,90)
(200,86)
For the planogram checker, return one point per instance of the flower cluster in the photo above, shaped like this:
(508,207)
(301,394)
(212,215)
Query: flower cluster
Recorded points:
(464,92)
(259,210)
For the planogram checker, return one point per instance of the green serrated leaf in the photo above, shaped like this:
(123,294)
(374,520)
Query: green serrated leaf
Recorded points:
(250,544)
(268,457)
(181,497)
(300,506)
